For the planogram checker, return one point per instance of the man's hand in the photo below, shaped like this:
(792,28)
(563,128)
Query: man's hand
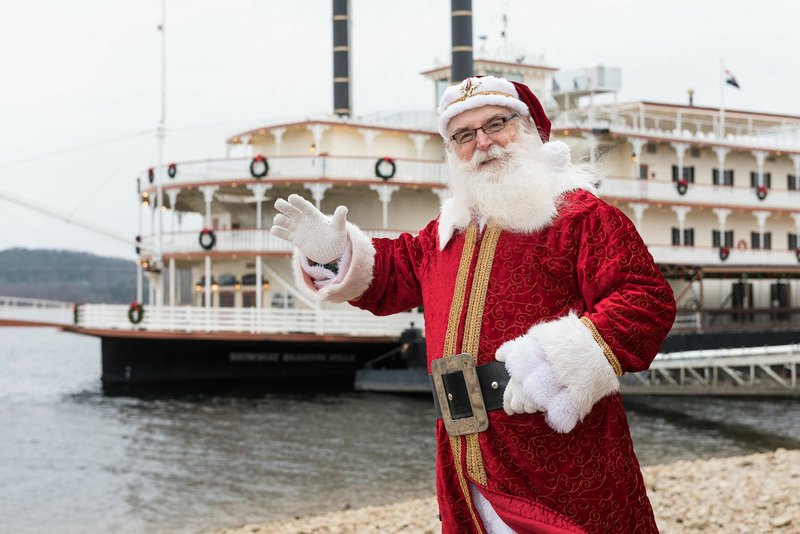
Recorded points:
(515,401)
(535,384)
(320,238)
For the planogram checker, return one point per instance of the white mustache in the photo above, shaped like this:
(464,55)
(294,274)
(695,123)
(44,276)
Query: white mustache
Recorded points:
(493,152)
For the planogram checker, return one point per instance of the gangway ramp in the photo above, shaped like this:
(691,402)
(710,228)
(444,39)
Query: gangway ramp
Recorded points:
(755,371)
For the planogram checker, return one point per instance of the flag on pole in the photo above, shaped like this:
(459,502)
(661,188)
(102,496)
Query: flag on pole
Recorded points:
(730,79)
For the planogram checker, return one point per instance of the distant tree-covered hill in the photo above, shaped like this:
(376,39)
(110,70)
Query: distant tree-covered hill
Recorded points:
(66,276)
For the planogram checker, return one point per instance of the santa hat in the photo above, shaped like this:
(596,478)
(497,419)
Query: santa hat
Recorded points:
(480,91)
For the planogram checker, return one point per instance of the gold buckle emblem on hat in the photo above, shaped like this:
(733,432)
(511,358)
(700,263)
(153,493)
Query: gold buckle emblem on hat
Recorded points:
(469,87)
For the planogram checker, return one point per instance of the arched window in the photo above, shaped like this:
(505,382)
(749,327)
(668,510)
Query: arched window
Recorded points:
(227,280)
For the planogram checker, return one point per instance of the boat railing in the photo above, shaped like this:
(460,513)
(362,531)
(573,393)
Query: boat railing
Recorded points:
(736,256)
(345,321)
(624,125)
(697,193)
(314,166)
(687,320)
(737,319)
(240,240)
(751,318)
(35,310)
(328,319)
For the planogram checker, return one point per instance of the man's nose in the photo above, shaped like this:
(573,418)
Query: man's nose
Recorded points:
(483,140)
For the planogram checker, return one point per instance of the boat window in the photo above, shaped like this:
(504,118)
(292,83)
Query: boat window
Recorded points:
(227,280)
(281,299)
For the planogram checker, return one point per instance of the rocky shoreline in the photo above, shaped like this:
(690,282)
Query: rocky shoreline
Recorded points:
(755,494)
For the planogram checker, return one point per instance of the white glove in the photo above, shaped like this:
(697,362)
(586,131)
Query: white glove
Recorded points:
(527,365)
(320,238)
(515,401)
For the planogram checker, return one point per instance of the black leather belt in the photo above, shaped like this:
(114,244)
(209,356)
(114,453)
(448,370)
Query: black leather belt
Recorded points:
(492,378)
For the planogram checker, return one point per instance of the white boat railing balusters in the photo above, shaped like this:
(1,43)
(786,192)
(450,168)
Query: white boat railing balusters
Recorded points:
(188,242)
(704,194)
(341,321)
(330,319)
(358,168)
(36,310)
(707,255)
(243,241)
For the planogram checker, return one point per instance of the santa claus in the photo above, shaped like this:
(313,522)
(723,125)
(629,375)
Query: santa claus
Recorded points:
(537,296)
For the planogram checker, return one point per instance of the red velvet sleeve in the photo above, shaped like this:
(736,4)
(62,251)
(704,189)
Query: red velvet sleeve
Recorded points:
(399,265)
(626,296)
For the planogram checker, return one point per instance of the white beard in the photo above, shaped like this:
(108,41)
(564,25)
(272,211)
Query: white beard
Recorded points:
(506,190)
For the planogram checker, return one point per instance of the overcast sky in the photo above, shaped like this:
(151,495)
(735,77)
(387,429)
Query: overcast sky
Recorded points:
(80,79)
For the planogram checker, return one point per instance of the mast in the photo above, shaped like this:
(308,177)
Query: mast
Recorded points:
(160,135)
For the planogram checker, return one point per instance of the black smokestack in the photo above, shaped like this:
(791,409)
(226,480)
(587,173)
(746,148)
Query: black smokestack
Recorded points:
(461,26)
(341,57)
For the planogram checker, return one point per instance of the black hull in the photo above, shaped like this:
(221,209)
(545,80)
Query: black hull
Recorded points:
(141,362)
(679,342)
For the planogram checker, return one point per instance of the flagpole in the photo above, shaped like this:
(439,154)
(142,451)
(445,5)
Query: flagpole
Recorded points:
(721,99)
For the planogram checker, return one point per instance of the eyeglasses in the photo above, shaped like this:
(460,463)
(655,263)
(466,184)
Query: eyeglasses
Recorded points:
(493,126)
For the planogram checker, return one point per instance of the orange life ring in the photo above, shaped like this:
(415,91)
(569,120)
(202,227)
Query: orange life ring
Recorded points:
(742,244)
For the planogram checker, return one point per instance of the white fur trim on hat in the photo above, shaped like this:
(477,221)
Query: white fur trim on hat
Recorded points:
(477,92)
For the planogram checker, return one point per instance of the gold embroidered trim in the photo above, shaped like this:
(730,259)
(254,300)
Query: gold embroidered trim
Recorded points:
(455,445)
(469,344)
(451,337)
(461,99)
(475,468)
(472,335)
(609,354)
(477,298)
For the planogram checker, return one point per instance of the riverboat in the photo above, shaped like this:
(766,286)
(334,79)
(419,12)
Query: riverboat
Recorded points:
(714,192)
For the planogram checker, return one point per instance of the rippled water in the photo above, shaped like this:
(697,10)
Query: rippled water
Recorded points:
(74,460)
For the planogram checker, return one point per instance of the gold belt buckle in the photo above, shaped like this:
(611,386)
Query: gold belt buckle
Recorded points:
(464,363)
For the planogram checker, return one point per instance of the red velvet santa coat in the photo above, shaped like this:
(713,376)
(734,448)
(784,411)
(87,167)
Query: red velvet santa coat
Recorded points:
(589,260)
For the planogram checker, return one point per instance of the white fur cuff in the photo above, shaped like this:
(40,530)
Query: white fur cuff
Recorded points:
(354,281)
(578,362)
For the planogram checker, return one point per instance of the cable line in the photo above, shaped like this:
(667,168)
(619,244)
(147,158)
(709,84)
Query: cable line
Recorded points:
(73,149)
(50,212)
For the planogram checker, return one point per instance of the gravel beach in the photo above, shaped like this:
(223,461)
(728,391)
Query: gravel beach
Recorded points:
(756,494)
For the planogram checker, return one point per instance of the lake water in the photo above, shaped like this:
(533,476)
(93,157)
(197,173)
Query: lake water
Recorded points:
(73,460)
